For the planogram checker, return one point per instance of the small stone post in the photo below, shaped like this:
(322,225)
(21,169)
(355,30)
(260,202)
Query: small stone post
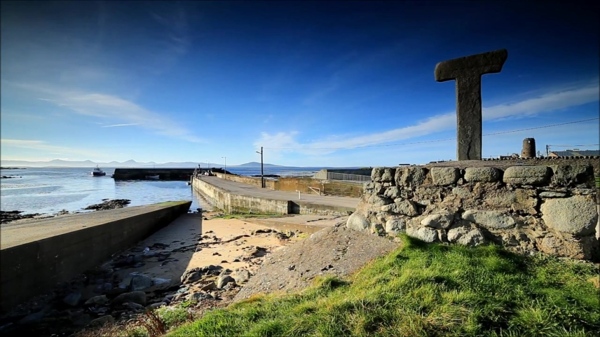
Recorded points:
(467,72)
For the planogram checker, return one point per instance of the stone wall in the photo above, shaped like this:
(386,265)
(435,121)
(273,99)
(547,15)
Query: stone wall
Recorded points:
(527,209)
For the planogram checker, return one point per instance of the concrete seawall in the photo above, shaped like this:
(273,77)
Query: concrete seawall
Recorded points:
(36,255)
(153,173)
(234,197)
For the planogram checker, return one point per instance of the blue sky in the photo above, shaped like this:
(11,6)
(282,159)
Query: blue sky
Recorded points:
(314,83)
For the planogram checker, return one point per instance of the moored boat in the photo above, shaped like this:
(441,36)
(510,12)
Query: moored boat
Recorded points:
(97,172)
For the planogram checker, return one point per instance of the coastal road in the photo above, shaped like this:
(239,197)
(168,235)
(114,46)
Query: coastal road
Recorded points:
(255,191)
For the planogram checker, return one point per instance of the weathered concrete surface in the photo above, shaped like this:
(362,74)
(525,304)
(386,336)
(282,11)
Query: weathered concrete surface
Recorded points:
(38,254)
(236,197)
(467,72)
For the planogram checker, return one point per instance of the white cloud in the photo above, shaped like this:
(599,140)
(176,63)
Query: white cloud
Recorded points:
(30,144)
(112,108)
(119,125)
(547,102)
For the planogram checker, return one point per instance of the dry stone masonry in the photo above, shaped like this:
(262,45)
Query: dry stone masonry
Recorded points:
(527,209)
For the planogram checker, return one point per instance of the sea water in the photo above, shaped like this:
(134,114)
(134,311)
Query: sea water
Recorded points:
(51,190)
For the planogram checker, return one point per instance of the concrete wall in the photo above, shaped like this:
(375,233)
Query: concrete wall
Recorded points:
(233,203)
(527,209)
(163,173)
(302,184)
(34,268)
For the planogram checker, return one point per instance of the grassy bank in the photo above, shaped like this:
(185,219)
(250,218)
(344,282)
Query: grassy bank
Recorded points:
(427,290)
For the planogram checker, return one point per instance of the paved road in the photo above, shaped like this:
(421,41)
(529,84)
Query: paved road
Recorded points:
(255,191)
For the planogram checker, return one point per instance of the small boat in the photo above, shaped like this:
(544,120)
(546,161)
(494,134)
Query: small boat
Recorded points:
(153,177)
(97,172)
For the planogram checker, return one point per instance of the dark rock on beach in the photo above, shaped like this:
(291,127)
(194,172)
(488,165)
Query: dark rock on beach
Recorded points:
(8,216)
(109,204)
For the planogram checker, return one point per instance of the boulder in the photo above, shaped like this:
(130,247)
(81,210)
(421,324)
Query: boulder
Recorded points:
(489,219)
(357,222)
(527,175)
(482,174)
(575,215)
(569,175)
(394,226)
(444,176)
(138,297)
(410,177)
(438,220)
(425,234)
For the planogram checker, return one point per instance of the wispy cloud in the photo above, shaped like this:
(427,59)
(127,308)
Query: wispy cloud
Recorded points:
(40,145)
(113,108)
(119,125)
(544,103)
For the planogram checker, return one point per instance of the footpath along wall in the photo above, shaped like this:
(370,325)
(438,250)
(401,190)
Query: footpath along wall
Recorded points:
(527,209)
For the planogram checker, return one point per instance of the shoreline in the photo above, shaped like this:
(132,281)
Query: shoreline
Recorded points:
(201,258)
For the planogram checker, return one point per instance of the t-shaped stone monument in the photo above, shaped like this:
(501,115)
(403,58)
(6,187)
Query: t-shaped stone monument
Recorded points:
(467,72)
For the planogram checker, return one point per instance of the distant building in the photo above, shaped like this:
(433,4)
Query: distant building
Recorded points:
(574,153)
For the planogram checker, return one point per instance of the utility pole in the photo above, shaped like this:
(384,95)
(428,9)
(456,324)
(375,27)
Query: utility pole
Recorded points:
(262,174)
(225,164)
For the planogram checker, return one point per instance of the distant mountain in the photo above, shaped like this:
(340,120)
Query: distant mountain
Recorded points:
(255,164)
(126,164)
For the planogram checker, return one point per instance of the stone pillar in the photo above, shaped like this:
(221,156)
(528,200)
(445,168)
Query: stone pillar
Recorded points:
(528,150)
(467,72)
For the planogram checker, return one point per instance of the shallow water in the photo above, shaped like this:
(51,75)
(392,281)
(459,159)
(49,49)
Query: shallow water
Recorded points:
(50,190)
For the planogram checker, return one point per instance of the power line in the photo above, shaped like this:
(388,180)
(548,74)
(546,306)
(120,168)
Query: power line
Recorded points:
(439,140)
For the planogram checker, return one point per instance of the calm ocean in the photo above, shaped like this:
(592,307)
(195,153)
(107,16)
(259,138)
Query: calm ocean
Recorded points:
(50,190)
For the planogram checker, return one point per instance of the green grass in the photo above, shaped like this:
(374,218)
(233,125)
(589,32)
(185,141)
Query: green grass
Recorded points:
(426,290)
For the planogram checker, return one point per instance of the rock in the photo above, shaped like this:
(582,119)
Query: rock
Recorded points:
(489,219)
(527,175)
(240,275)
(33,318)
(224,280)
(425,234)
(138,297)
(156,305)
(575,215)
(552,194)
(140,282)
(97,300)
(482,174)
(394,226)
(357,222)
(195,274)
(72,299)
(443,176)
(388,175)
(402,207)
(102,320)
(377,200)
(392,192)
(569,175)
(410,177)
(376,174)
(466,236)
(439,220)
(109,204)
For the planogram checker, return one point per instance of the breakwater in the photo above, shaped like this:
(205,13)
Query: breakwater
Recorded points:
(184,174)
(234,197)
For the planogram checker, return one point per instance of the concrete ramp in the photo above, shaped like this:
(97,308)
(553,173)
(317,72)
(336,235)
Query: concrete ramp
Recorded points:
(38,254)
